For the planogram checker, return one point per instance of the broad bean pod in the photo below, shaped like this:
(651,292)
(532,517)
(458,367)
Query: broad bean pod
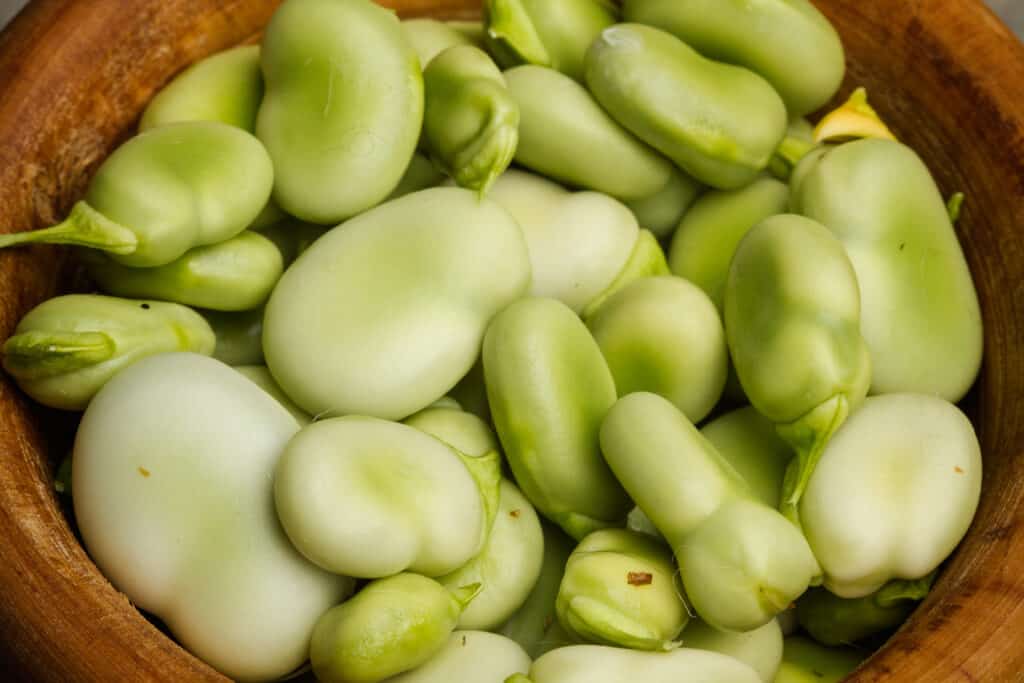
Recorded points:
(894,493)
(470,657)
(792,319)
(565,135)
(719,123)
(741,562)
(360,520)
(225,87)
(760,649)
(391,626)
(471,120)
(179,446)
(343,106)
(65,349)
(165,191)
(235,275)
(603,664)
(549,388)
(442,264)
(788,42)
(619,589)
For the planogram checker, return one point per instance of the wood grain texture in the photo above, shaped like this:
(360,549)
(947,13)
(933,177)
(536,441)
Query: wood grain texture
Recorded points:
(74,76)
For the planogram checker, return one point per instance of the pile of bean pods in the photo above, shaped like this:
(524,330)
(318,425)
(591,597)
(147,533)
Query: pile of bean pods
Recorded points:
(455,438)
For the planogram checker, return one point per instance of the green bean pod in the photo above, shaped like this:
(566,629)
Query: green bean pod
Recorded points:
(663,335)
(661,212)
(393,625)
(441,262)
(719,123)
(792,319)
(760,649)
(508,565)
(894,493)
(788,42)
(741,562)
(707,237)
(430,37)
(471,121)
(65,349)
(235,275)
(166,191)
(360,520)
(544,33)
(578,242)
(619,589)
(549,388)
(343,106)
(565,135)
(603,664)
(804,661)
(920,313)
(225,87)
(470,657)
(535,624)
(832,620)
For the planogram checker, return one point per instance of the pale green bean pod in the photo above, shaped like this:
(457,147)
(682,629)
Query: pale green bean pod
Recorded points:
(792,319)
(225,87)
(343,106)
(342,507)
(894,493)
(619,589)
(719,123)
(788,42)
(465,432)
(565,135)
(393,625)
(165,191)
(545,33)
(65,349)
(749,442)
(471,120)
(441,262)
(663,335)
(173,479)
(235,275)
(549,388)
(741,562)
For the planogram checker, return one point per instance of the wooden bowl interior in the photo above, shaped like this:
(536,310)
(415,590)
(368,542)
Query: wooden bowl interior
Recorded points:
(74,77)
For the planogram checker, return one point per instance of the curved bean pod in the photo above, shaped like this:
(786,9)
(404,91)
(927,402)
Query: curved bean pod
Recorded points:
(719,123)
(603,664)
(343,106)
(788,42)
(65,349)
(471,120)
(565,135)
(166,191)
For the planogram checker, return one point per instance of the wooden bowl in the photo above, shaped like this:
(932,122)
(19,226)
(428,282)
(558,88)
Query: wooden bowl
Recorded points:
(74,76)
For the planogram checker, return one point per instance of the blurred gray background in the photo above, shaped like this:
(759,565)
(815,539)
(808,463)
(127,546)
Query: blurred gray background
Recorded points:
(1012,11)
